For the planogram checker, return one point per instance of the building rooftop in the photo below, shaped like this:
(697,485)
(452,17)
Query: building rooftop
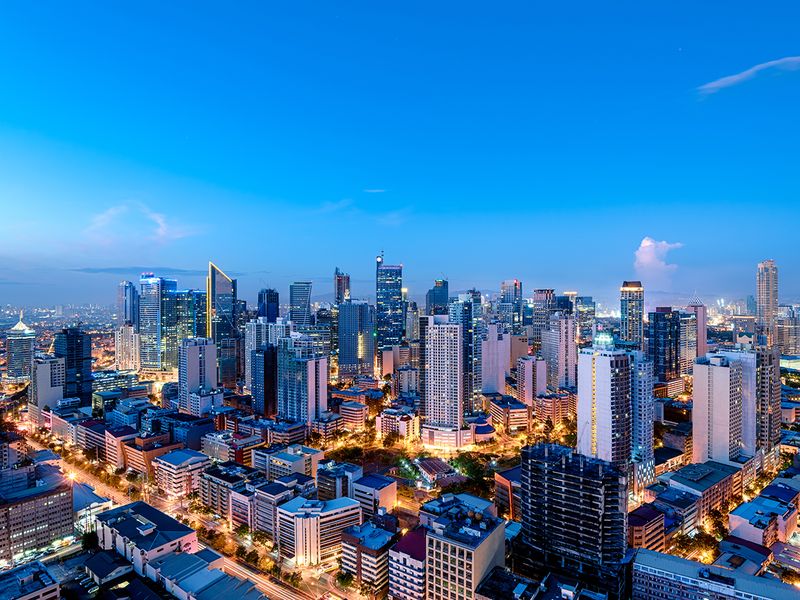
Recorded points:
(104,563)
(502,583)
(665,454)
(514,474)
(413,544)
(703,476)
(143,525)
(375,481)
(25,580)
(301,505)
(643,515)
(370,536)
(84,496)
(181,456)
(759,587)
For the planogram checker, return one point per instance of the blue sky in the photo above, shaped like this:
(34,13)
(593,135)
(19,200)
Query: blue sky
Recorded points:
(467,140)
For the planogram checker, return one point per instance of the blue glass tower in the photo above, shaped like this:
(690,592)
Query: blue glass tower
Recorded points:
(389,314)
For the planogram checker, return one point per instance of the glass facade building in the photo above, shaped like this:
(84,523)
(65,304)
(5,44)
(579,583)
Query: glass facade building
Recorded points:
(389,312)
(221,323)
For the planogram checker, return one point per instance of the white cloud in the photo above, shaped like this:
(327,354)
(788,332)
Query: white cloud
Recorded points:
(788,63)
(124,221)
(374,191)
(651,260)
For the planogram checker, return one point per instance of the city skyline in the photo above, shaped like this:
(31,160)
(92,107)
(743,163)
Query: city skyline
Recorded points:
(412,132)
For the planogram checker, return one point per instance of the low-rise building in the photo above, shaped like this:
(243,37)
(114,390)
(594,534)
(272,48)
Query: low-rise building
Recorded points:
(646,528)
(507,486)
(218,481)
(336,479)
(763,521)
(510,414)
(140,533)
(407,574)
(374,492)
(225,446)
(354,414)
(116,438)
(177,473)
(140,453)
(32,581)
(714,483)
(404,422)
(365,554)
(277,460)
(86,504)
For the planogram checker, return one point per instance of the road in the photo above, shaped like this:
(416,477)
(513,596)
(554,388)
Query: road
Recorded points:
(275,591)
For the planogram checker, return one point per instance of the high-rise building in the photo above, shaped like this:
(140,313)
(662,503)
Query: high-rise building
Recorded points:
(585,308)
(787,333)
(697,307)
(341,286)
(544,305)
(198,384)
(255,335)
(437,298)
(47,386)
(183,315)
(300,303)
(128,304)
(663,343)
(766,296)
(444,379)
(717,409)
(495,360)
(466,311)
(631,309)
(356,330)
(574,515)
(75,347)
(302,380)
(389,305)
(688,339)
(221,320)
(20,347)
(511,303)
(615,397)
(126,348)
(150,303)
(531,379)
(560,351)
(269,304)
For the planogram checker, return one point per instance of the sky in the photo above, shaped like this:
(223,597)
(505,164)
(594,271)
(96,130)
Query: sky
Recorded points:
(571,145)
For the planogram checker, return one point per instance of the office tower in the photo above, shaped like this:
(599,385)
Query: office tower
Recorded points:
(269,304)
(437,298)
(47,386)
(221,318)
(412,321)
(631,310)
(687,342)
(663,343)
(356,326)
(717,409)
(574,515)
(302,380)
(126,348)
(466,311)
(495,360)
(560,351)
(256,333)
(544,305)
(389,313)
(341,286)
(643,461)
(183,315)
(697,307)
(531,379)
(444,379)
(766,296)
(198,384)
(264,380)
(150,301)
(300,303)
(510,305)
(128,304)
(20,346)
(585,314)
(75,347)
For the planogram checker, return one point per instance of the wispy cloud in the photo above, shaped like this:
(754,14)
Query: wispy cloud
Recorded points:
(788,63)
(108,226)
(332,207)
(163,271)
(651,261)
(374,191)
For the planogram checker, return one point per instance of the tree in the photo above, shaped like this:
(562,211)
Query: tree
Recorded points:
(89,541)
(344,579)
(391,439)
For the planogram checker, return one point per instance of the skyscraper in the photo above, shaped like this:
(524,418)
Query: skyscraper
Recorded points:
(663,343)
(126,348)
(264,368)
(356,329)
(302,380)
(560,351)
(183,315)
(255,335)
(510,306)
(128,304)
(269,304)
(766,296)
(150,300)
(75,347)
(717,409)
(631,309)
(20,347)
(389,313)
(697,307)
(585,314)
(198,385)
(300,303)
(495,359)
(544,305)
(437,298)
(341,286)
(443,405)
(466,311)
(574,515)
(221,319)
(688,339)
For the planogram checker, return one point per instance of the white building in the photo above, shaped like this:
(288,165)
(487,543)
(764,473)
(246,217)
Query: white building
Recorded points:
(687,342)
(531,378)
(198,383)
(402,421)
(717,410)
(443,404)
(560,351)
(126,348)
(295,458)
(495,360)
(374,492)
(310,531)
(256,333)
(47,386)
(178,472)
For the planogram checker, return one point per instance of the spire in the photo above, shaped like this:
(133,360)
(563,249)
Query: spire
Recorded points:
(695,300)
